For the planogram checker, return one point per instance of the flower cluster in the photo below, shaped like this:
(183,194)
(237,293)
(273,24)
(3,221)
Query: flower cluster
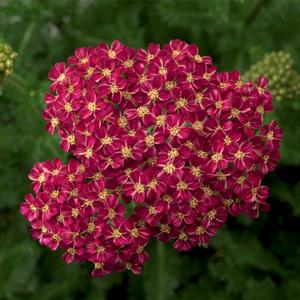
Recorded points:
(163,146)
(284,80)
(7,57)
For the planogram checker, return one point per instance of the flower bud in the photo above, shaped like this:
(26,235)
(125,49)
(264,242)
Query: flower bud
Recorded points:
(284,80)
(7,58)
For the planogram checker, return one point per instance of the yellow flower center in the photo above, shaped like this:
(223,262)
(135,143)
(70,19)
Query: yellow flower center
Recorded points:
(89,72)
(142,111)
(198,58)
(134,232)
(100,249)
(41,178)
(207,191)
(113,88)
(111,213)
(270,135)
(71,139)
(241,180)
(167,198)
(169,168)
(198,125)
(227,140)
(150,57)
(88,153)
(56,237)
(202,154)
(45,208)
(74,193)
(217,156)
(54,194)
(239,155)
(153,183)
(68,107)
(200,230)
(260,109)
(193,202)
(173,153)
(54,122)
(61,77)
(162,71)
(174,131)
(152,161)
(212,214)
(142,78)
(111,54)
(183,236)
(75,212)
(92,106)
(122,122)
(83,60)
(33,208)
(170,85)
(199,98)
(70,89)
(221,176)
(126,152)
(181,186)
(91,227)
(218,104)
(206,76)
(160,120)
(103,195)
(153,94)
(180,103)
(99,266)
(149,140)
(189,77)
(128,63)
(139,188)
(116,233)
(152,210)
(175,53)
(106,72)
(165,228)
(107,140)
(227,202)
(234,112)
(196,171)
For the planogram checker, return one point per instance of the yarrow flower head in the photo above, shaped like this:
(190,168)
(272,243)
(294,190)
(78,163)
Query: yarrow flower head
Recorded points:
(163,146)
(7,57)
(278,67)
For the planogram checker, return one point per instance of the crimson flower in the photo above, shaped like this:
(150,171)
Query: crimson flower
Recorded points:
(161,144)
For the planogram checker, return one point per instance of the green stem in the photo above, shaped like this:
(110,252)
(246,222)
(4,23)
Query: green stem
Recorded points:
(160,247)
(254,13)
(21,85)
(53,148)
(26,37)
(18,83)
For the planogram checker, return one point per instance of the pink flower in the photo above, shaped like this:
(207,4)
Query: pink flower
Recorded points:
(217,102)
(242,155)
(29,208)
(137,186)
(161,145)
(183,185)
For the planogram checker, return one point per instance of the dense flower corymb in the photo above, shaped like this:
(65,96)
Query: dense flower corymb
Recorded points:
(163,146)
(7,58)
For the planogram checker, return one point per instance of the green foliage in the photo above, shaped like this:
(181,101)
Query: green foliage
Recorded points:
(248,260)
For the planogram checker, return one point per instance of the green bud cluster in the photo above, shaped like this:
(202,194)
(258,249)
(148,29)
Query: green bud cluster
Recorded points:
(7,57)
(277,67)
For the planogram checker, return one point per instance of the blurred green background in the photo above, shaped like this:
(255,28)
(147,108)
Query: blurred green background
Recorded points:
(248,259)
